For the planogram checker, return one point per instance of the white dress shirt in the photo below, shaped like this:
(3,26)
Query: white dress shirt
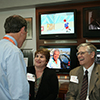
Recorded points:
(89,77)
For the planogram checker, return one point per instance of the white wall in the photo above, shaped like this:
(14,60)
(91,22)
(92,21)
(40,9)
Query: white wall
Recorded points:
(20,3)
(28,44)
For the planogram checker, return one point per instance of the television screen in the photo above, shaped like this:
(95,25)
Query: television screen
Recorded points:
(97,60)
(98,56)
(91,22)
(57,25)
(62,58)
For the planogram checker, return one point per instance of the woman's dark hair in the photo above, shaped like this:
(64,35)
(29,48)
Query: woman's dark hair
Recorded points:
(45,52)
(14,23)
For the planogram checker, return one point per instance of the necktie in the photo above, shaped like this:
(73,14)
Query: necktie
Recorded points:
(84,87)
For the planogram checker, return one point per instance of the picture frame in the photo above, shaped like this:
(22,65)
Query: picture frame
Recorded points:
(29,28)
(91,19)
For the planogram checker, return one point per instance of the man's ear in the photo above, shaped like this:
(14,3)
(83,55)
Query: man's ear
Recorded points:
(92,54)
(22,30)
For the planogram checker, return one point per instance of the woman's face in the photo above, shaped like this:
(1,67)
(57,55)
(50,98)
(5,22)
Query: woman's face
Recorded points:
(40,60)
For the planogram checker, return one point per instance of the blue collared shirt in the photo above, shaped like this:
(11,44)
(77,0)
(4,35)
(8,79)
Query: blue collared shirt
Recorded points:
(13,81)
(12,39)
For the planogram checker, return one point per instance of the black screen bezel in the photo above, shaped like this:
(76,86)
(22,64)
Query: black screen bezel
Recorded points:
(73,57)
(62,35)
(86,32)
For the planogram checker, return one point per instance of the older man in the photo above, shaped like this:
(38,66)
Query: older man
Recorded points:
(85,86)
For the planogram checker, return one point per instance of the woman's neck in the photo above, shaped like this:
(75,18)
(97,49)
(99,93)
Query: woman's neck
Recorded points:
(39,71)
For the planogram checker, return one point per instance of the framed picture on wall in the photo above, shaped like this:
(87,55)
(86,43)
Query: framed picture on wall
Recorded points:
(91,22)
(29,28)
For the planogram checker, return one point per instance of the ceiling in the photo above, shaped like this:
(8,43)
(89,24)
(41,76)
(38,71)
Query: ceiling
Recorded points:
(19,4)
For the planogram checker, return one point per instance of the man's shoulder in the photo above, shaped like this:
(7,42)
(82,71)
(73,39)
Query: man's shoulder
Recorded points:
(76,70)
(9,48)
(98,67)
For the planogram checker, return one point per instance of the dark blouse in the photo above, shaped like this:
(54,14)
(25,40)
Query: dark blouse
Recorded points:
(48,88)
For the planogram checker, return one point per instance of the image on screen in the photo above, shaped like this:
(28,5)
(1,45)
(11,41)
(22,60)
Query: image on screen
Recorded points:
(57,23)
(98,56)
(94,19)
(63,61)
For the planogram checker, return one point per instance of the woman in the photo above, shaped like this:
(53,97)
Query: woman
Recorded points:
(43,81)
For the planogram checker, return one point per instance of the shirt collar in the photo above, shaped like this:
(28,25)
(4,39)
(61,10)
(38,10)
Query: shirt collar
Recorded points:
(12,39)
(89,69)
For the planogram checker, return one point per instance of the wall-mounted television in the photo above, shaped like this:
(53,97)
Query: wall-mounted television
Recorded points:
(98,54)
(68,59)
(91,22)
(57,24)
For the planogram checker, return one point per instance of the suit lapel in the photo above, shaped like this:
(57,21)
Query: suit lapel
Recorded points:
(93,79)
(80,77)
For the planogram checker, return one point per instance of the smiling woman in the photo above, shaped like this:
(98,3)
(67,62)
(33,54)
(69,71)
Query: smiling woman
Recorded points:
(45,80)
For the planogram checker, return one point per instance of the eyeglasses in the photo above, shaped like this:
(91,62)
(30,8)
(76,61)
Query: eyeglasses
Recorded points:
(81,53)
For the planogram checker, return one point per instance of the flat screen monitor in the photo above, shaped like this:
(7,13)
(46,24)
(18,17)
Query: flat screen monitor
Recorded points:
(97,60)
(66,61)
(91,22)
(98,56)
(57,24)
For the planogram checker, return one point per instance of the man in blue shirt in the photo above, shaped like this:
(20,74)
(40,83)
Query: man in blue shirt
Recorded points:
(13,81)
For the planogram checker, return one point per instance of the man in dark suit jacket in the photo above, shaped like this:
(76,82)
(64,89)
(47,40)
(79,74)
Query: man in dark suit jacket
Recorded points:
(86,55)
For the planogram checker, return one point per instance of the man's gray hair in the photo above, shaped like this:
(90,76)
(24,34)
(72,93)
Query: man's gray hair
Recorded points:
(90,47)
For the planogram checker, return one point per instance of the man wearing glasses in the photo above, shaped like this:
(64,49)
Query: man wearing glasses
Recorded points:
(85,80)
